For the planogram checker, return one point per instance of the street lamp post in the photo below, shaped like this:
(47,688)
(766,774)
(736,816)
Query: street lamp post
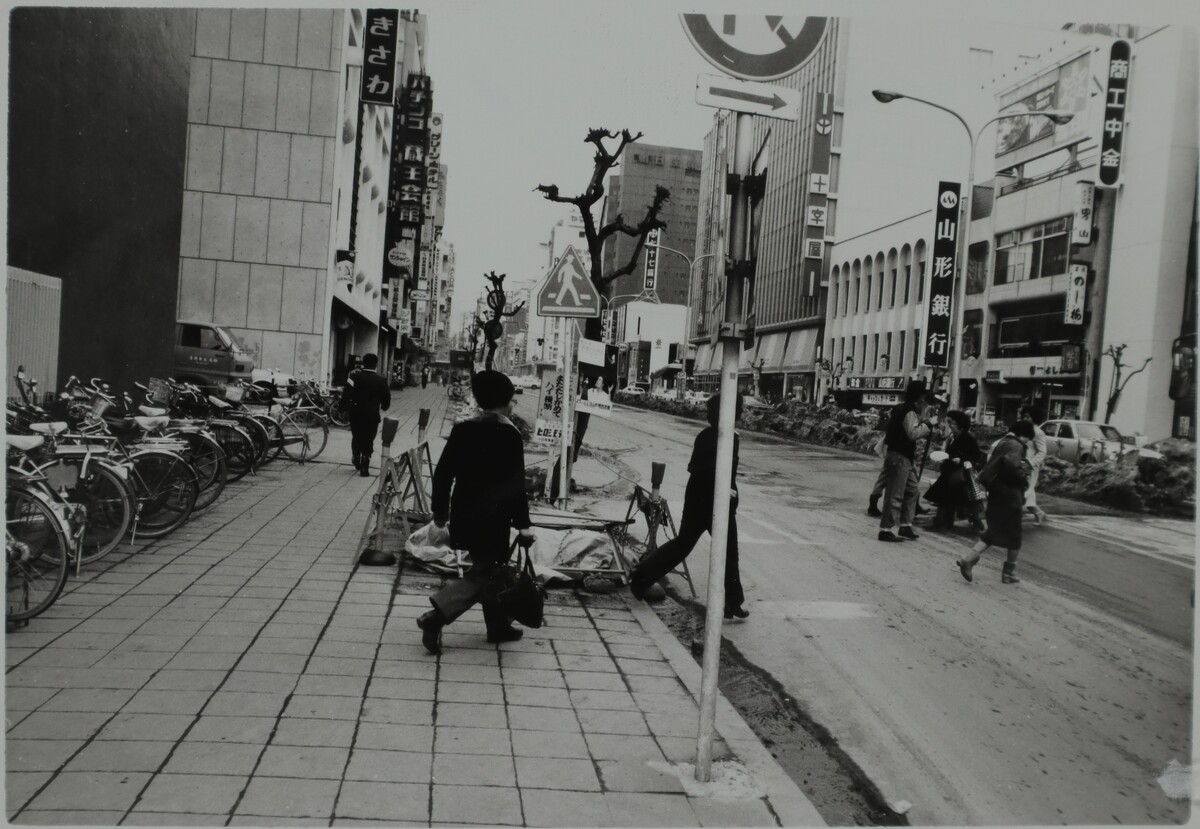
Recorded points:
(960,295)
(687,335)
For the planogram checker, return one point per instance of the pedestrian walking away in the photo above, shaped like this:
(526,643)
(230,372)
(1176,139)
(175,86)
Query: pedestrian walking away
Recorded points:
(877,491)
(424,376)
(905,428)
(479,487)
(952,491)
(1006,475)
(368,395)
(1037,457)
(697,519)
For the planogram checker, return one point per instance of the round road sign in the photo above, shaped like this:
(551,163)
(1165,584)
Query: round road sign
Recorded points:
(492,329)
(756,47)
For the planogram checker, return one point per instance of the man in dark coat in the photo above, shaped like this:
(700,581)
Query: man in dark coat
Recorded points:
(697,520)
(367,395)
(905,428)
(483,462)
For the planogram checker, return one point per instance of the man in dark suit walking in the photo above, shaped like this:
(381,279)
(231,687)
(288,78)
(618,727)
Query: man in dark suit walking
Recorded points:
(368,394)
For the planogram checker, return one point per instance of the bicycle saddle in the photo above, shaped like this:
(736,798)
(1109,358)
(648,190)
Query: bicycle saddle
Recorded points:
(149,424)
(55,428)
(150,411)
(24,442)
(283,401)
(219,403)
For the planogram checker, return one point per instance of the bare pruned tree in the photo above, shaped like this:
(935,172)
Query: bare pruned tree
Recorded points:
(498,304)
(1116,352)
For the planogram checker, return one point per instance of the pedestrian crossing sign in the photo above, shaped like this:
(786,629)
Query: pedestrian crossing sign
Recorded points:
(568,290)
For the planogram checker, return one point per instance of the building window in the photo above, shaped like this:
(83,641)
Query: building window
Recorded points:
(882,285)
(857,294)
(875,353)
(907,282)
(888,352)
(869,294)
(898,361)
(1031,329)
(863,367)
(892,301)
(916,348)
(1033,252)
(972,332)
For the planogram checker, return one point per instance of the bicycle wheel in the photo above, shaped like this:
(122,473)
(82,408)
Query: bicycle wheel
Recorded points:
(35,546)
(258,435)
(274,437)
(166,490)
(207,457)
(109,508)
(305,434)
(238,447)
(337,414)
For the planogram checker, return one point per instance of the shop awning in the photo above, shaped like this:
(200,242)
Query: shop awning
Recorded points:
(704,358)
(801,352)
(771,350)
(669,369)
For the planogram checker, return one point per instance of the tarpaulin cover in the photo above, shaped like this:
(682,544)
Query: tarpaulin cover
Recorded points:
(572,549)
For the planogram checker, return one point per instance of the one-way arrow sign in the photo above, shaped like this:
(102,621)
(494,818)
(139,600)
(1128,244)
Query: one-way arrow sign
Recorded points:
(744,96)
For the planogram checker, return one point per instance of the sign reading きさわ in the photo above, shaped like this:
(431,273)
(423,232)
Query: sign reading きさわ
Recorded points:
(568,291)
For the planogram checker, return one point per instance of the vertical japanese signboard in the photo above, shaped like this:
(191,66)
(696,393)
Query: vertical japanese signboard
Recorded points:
(651,259)
(548,426)
(1076,295)
(940,297)
(818,194)
(1081,227)
(408,180)
(1112,135)
(379,57)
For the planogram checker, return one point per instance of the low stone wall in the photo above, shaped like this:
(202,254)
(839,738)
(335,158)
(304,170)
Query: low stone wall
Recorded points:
(1134,484)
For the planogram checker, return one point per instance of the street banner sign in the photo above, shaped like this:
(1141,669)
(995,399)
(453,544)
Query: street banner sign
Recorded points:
(1076,294)
(1112,135)
(598,402)
(935,347)
(568,291)
(651,268)
(416,293)
(548,426)
(591,352)
(744,96)
(755,47)
(379,57)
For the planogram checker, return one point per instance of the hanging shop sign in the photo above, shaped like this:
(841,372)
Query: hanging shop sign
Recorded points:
(935,348)
(548,426)
(1076,295)
(1081,227)
(880,399)
(344,266)
(1112,134)
(1072,358)
(651,259)
(379,57)
(818,194)
(409,179)
(877,383)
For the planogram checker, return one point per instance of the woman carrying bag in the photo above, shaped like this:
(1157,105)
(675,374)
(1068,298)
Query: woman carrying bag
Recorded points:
(954,491)
(1006,475)
(484,463)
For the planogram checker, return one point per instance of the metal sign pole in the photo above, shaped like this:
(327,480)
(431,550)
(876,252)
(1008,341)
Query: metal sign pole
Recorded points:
(564,479)
(731,345)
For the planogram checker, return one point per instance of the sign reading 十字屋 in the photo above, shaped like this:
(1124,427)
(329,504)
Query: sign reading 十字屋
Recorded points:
(935,347)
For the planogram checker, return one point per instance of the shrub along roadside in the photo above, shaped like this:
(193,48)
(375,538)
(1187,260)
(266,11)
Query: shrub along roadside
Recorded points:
(1148,485)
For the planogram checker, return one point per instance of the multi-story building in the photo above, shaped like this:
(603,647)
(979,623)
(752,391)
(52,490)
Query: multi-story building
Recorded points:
(788,305)
(631,190)
(1061,268)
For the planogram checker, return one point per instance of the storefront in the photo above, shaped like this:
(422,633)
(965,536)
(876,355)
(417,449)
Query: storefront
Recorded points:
(1003,395)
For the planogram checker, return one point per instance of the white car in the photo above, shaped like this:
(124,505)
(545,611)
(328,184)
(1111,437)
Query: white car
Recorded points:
(1086,441)
(632,391)
(696,397)
(524,381)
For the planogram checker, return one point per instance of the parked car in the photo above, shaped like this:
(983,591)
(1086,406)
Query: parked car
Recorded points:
(749,401)
(632,391)
(524,381)
(1086,441)
(696,396)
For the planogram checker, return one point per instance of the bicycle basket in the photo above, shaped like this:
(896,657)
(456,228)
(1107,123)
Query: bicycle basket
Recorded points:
(160,391)
(233,394)
(99,407)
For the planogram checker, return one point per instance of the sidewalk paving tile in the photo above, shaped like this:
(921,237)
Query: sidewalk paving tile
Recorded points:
(90,817)
(396,737)
(391,766)
(212,728)
(102,790)
(322,762)
(39,755)
(476,804)
(384,801)
(55,725)
(305,706)
(536,718)
(471,715)
(632,809)
(544,807)
(549,744)
(169,819)
(557,773)
(192,793)
(288,798)
(121,755)
(213,758)
(474,770)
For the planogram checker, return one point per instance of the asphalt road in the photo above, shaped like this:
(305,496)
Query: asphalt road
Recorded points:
(1060,700)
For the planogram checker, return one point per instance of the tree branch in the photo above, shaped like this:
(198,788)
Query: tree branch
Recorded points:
(1132,374)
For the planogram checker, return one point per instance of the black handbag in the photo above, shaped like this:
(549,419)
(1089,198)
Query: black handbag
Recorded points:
(522,596)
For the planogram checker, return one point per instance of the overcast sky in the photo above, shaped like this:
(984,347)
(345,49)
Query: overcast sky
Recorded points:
(520,84)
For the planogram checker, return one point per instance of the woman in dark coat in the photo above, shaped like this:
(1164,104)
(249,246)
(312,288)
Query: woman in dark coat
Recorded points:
(951,491)
(484,462)
(1006,476)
